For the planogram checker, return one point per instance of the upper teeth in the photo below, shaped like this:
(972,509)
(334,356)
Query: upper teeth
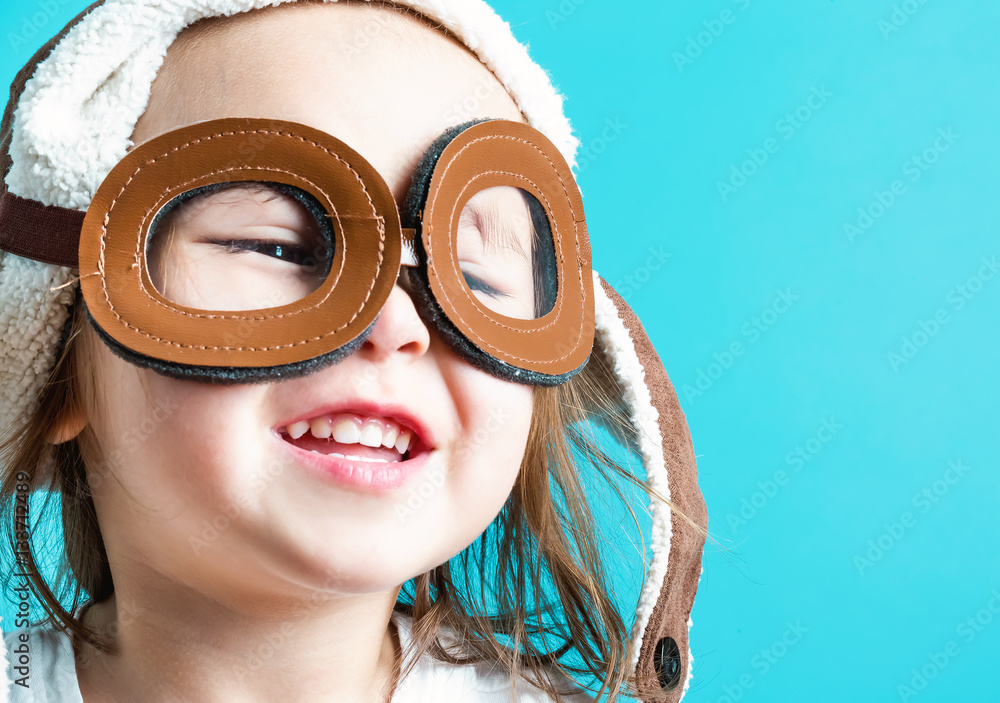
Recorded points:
(353,429)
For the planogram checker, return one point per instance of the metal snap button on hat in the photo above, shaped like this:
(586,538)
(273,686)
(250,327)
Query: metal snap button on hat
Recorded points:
(667,660)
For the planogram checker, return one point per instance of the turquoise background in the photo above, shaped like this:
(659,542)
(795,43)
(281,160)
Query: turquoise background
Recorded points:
(861,566)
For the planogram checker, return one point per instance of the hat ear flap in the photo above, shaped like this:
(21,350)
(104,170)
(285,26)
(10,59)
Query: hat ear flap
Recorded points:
(660,645)
(29,228)
(17,88)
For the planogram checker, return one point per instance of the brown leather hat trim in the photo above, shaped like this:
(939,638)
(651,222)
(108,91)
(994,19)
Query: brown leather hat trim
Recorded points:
(676,599)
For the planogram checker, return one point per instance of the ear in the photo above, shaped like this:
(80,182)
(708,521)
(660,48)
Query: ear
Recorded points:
(67,426)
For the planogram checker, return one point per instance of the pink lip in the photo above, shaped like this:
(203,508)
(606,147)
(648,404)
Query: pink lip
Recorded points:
(372,476)
(425,440)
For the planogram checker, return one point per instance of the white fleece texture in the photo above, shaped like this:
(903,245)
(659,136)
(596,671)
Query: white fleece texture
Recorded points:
(32,316)
(615,339)
(74,121)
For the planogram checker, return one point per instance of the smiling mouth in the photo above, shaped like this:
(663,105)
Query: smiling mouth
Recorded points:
(354,437)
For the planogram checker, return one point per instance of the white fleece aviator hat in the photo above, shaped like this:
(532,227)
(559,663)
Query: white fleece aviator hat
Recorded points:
(72,112)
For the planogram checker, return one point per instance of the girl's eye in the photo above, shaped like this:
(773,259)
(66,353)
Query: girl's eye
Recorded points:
(278,250)
(476,283)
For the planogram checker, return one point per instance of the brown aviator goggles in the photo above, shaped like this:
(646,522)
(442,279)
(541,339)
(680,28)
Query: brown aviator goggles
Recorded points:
(241,250)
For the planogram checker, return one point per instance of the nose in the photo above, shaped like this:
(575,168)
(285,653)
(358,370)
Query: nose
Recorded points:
(398,328)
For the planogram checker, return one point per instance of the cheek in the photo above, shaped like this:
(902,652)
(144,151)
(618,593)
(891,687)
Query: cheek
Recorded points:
(489,454)
(168,445)
(495,413)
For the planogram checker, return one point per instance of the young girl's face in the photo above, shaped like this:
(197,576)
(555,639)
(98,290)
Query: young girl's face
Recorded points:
(200,483)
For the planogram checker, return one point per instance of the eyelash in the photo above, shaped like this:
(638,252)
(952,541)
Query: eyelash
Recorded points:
(268,248)
(484,287)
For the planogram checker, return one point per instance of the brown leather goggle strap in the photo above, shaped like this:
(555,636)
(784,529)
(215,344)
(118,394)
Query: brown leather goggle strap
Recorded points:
(41,232)
(22,220)
(26,226)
